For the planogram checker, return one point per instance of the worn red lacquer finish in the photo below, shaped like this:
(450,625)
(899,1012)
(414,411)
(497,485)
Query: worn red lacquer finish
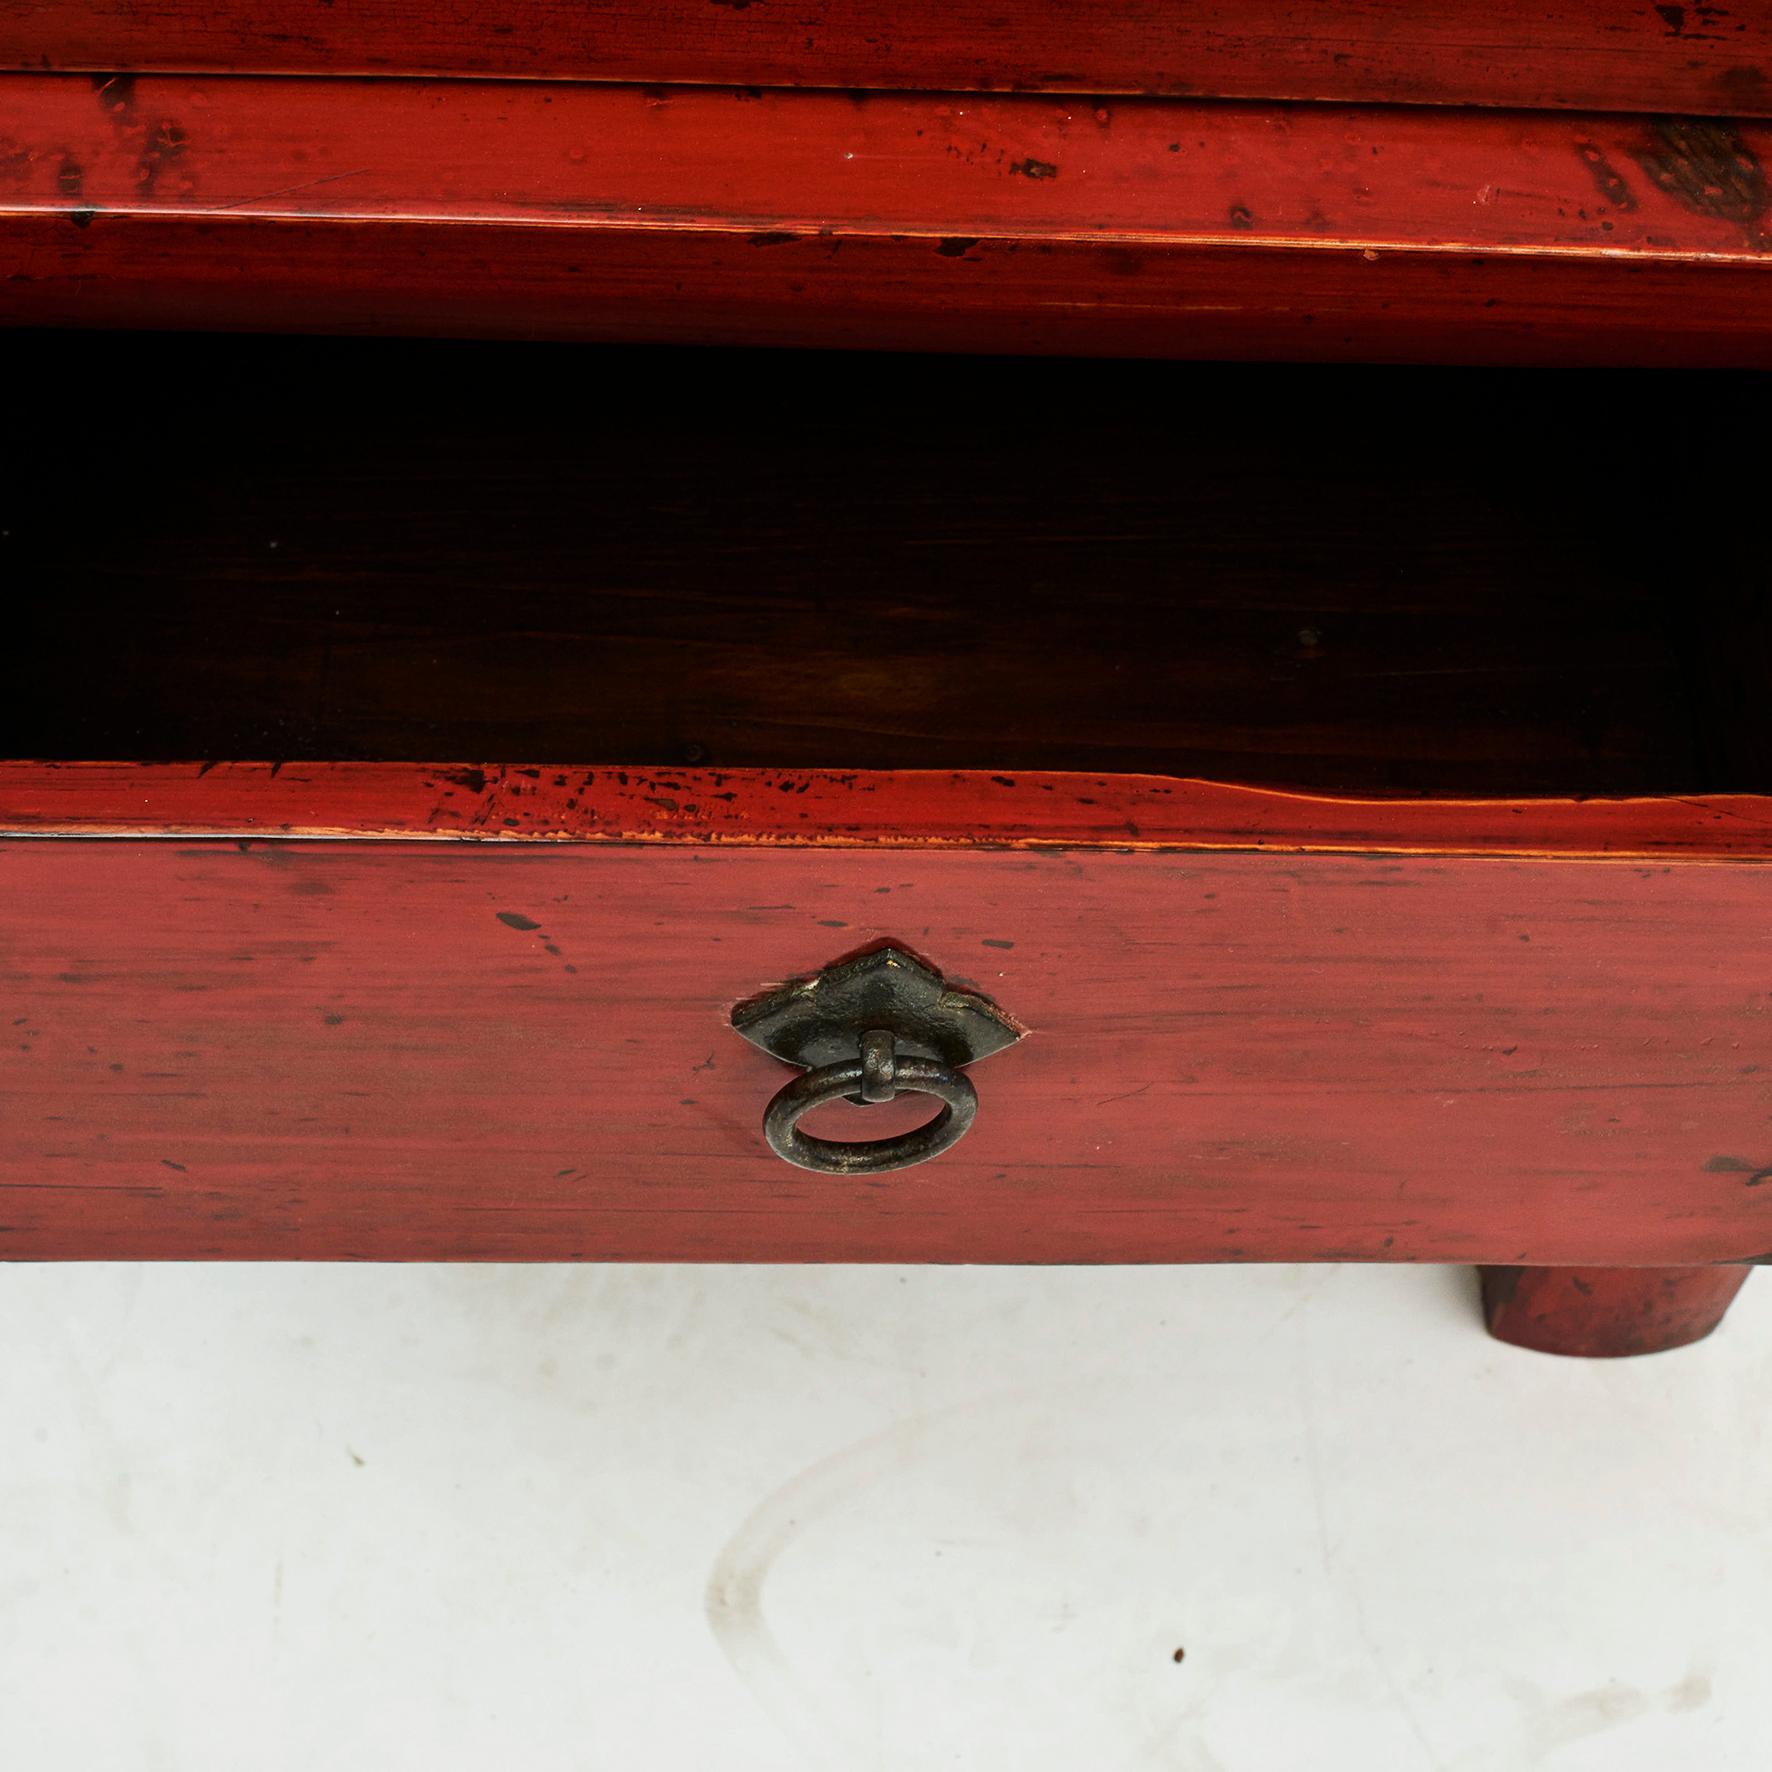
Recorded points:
(894,219)
(1599,54)
(909,808)
(1554,1050)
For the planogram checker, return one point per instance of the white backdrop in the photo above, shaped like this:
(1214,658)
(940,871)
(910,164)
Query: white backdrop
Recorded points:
(757,1520)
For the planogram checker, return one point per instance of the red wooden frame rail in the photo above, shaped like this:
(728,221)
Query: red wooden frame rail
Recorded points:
(1016,223)
(1582,54)
(913,809)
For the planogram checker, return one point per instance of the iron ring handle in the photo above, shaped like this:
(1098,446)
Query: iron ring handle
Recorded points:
(877,1074)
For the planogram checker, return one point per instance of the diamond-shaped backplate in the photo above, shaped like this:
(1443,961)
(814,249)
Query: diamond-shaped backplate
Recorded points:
(820,1020)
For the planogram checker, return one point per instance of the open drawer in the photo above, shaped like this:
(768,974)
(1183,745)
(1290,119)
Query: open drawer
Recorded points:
(742,667)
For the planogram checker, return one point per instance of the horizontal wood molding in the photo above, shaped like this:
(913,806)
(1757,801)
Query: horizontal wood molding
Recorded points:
(1595,54)
(834,809)
(1017,222)
(841,165)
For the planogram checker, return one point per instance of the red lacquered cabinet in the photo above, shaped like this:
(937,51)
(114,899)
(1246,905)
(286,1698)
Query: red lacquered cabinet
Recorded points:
(573,773)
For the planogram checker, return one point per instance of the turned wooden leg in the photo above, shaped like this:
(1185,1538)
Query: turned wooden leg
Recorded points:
(1603,1313)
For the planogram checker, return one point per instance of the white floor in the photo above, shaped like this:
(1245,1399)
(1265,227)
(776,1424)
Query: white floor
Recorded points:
(753,1520)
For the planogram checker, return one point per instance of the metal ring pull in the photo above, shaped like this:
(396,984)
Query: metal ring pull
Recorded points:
(874,1026)
(877,1074)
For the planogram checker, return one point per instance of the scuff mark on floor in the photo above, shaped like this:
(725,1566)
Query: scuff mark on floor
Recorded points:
(827,1734)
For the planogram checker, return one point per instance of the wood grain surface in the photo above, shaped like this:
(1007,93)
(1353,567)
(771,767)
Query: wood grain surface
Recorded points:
(1597,54)
(977,223)
(446,1050)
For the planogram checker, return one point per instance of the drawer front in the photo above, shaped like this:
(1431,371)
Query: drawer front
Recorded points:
(395,1050)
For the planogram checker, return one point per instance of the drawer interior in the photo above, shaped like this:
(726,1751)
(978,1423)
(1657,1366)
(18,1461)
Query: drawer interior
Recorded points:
(1457,582)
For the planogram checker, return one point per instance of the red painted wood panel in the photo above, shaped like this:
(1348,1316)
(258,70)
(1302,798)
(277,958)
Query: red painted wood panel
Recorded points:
(450,1050)
(1236,1055)
(1597,54)
(891,219)
(904,808)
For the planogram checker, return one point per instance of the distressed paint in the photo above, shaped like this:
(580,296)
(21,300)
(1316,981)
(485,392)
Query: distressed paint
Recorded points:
(436,1049)
(1020,167)
(889,219)
(909,808)
(1602,54)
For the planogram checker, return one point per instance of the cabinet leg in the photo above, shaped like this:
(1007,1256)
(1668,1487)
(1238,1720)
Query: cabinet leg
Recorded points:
(1607,1312)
